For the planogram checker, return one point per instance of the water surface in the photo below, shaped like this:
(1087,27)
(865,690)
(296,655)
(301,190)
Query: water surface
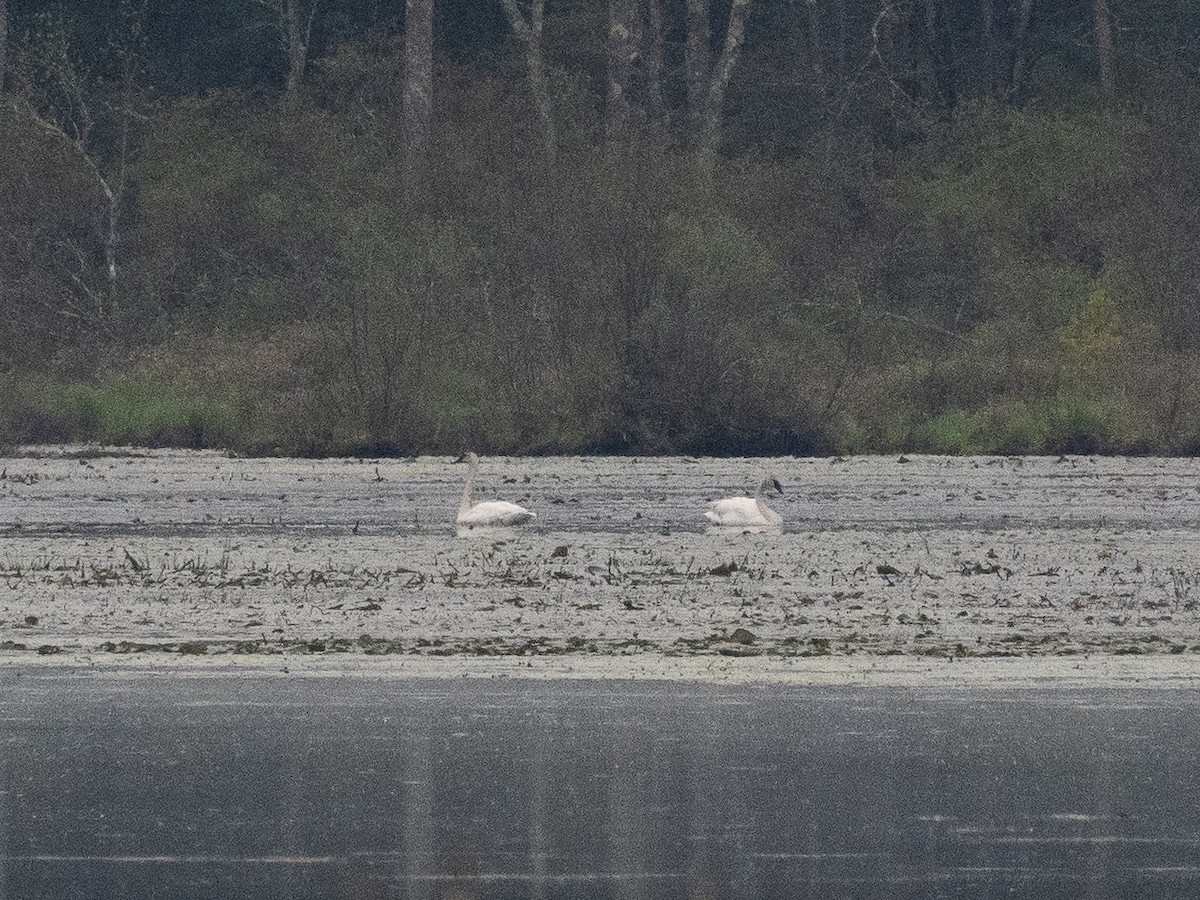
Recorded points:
(361,787)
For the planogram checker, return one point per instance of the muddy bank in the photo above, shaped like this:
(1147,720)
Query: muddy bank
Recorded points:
(175,554)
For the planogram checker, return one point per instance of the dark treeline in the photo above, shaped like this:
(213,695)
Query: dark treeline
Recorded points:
(723,226)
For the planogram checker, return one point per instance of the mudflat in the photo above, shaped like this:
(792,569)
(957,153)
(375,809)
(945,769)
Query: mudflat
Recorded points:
(921,568)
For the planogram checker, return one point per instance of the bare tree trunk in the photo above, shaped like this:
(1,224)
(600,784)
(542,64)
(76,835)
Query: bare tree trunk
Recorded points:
(113,198)
(654,61)
(110,250)
(696,62)
(1020,37)
(110,174)
(715,106)
(116,196)
(815,49)
(530,34)
(417,105)
(298,33)
(3,39)
(930,56)
(1104,43)
(294,19)
(840,8)
(987,17)
(930,9)
(622,48)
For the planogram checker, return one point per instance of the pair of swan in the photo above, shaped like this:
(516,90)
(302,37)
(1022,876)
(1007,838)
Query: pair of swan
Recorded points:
(738,511)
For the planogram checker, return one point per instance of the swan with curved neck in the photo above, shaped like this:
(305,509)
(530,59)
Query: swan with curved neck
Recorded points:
(487,512)
(747,510)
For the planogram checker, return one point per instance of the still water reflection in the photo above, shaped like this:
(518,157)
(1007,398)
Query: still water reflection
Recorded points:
(363,788)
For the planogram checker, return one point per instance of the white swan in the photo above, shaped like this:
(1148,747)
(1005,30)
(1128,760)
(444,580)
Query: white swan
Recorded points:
(488,512)
(747,510)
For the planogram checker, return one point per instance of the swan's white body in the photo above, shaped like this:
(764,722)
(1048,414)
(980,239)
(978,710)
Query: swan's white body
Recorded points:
(746,510)
(488,512)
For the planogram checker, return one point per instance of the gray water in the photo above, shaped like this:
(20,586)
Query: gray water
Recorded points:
(150,492)
(267,787)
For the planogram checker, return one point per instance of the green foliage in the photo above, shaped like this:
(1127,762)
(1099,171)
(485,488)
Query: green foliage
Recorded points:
(1025,428)
(1089,341)
(714,255)
(952,432)
(130,411)
(902,257)
(116,410)
(1007,427)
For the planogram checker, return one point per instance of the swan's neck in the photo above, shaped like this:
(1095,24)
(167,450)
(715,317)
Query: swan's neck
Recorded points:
(769,515)
(464,505)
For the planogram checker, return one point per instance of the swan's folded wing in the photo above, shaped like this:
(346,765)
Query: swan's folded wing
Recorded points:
(495,512)
(734,511)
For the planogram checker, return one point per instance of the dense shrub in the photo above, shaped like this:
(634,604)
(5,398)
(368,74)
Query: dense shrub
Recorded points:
(883,257)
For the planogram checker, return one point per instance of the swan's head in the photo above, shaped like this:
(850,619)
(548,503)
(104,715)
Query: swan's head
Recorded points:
(770,483)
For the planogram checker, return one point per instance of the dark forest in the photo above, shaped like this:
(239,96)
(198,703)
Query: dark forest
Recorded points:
(632,226)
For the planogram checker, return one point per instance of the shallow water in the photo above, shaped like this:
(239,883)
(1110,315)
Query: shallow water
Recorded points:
(197,552)
(296,788)
(144,491)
